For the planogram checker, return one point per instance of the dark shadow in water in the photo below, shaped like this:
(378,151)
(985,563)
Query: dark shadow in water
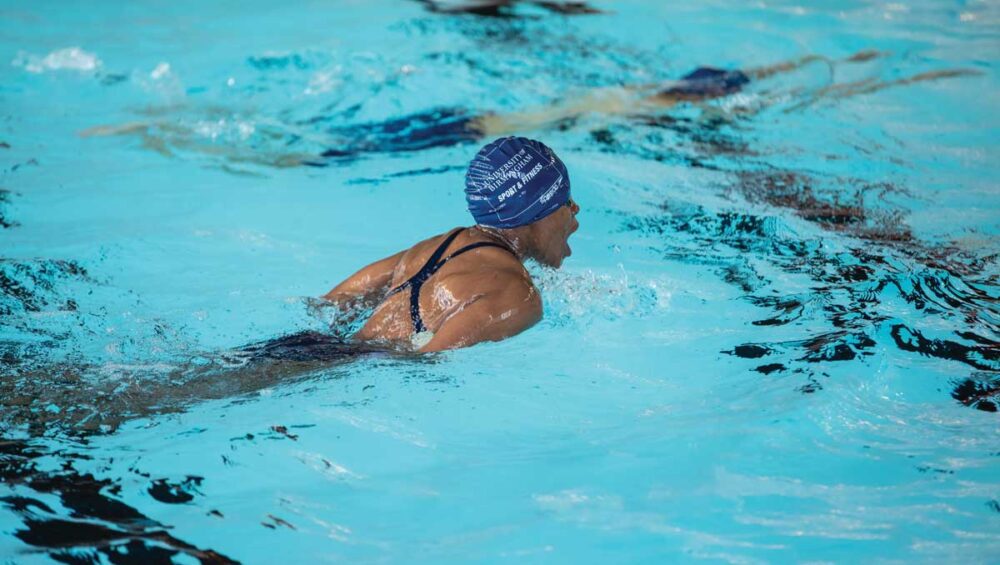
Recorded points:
(981,392)
(668,139)
(29,286)
(848,288)
(848,285)
(93,525)
(839,209)
(5,221)
(175,493)
(984,357)
(506,8)
(444,127)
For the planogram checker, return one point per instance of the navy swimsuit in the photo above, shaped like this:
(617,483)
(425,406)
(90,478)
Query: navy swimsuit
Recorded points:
(306,347)
(442,127)
(446,127)
(706,82)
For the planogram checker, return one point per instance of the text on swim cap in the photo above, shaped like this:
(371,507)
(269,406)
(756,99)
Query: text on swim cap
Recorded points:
(551,191)
(511,169)
(520,184)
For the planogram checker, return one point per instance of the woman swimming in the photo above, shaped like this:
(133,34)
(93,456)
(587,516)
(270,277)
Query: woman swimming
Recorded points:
(446,127)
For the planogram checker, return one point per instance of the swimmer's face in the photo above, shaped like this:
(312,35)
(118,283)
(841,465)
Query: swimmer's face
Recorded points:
(553,234)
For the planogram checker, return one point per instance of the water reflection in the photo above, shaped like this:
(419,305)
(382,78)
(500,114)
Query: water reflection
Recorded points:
(90,524)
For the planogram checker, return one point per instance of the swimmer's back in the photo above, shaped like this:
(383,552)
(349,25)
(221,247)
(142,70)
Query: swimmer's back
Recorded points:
(487,272)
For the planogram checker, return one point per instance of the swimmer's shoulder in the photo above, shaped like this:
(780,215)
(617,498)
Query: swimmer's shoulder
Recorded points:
(499,279)
(518,293)
(410,260)
(492,309)
(497,258)
(414,257)
(485,270)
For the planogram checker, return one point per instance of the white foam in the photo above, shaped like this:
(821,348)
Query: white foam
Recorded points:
(581,294)
(161,70)
(324,81)
(67,59)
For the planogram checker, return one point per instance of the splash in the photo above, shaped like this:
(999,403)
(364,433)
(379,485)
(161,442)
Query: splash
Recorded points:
(580,296)
(67,59)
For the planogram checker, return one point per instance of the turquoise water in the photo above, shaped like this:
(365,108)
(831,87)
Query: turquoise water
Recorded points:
(776,339)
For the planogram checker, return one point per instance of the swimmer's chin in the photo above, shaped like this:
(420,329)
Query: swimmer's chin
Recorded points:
(551,262)
(569,252)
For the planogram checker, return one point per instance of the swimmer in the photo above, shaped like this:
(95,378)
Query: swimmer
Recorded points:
(701,85)
(443,127)
(438,127)
(452,290)
(469,285)
(446,127)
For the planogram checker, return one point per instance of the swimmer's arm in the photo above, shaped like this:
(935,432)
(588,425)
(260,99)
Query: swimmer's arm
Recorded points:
(494,316)
(365,287)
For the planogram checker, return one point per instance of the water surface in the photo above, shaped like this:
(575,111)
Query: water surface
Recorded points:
(776,338)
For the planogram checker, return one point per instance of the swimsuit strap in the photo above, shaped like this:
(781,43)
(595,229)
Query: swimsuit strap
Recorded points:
(476,245)
(433,264)
(421,276)
(418,322)
(435,267)
(416,281)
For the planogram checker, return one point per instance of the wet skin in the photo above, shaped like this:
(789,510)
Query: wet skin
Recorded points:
(484,295)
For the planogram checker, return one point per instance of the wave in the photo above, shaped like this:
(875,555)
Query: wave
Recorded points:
(89,523)
(858,280)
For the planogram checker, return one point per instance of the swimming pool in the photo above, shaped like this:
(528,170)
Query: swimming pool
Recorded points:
(776,339)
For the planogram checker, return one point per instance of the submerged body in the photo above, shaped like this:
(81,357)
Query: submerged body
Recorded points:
(444,127)
(450,126)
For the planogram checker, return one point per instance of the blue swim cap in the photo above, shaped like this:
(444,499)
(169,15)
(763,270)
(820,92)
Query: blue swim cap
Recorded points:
(515,181)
